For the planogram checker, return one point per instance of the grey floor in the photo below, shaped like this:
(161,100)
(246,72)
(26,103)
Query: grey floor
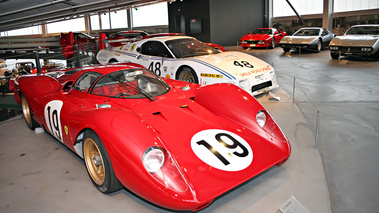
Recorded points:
(331,121)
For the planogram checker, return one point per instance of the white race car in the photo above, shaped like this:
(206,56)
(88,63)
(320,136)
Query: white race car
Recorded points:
(188,59)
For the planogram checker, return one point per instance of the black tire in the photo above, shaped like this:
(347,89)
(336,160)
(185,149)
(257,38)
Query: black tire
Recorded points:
(334,55)
(286,49)
(98,164)
(319,46)
(28,117)
(187,74)
(272,45)
(245,47)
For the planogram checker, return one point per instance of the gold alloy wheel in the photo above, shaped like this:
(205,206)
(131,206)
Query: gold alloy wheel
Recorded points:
(26,110)
(94,161)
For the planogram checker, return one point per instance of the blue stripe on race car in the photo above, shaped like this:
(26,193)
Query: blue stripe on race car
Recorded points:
(193,60)
(126,53)
(208,65)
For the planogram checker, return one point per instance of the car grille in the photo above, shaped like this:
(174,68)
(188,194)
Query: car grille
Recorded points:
(261,86)
(350,49)
(250,42)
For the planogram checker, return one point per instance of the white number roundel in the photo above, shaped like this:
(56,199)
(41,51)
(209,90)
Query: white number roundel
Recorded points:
(53,118)
(222,149)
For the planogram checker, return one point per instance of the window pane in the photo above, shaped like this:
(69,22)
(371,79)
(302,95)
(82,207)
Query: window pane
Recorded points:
(95,25)
(150,15)
(24,31)
(351,5)
(119,19)
(73,25)
(105,21)
(281,7)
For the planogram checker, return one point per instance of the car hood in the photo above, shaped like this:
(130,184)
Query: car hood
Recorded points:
(355,40)
(178,122)
(256,37)
(231,64)
(298,39)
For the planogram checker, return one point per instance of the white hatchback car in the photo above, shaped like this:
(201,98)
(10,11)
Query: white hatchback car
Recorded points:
(188,59)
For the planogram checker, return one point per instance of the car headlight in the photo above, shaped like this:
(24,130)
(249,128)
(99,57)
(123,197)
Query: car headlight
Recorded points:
(243,84)
(333,48)
(366,49)
(272,74)
(153,159)
(261,118)
(261,42)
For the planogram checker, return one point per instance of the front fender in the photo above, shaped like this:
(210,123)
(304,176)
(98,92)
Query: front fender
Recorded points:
(126,137)
(237,105)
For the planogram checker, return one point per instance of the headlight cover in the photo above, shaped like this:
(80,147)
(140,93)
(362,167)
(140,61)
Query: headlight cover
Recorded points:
(153,159)
(243,84)
(261,118)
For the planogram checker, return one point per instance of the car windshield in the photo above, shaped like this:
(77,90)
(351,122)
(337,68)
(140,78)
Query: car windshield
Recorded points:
(132,83)
(363,30)
(263,31)
(189,47)
(307,32)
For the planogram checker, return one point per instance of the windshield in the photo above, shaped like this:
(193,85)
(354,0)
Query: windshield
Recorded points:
(134,83)
(263,31)
(363,30)
(307,32)
(189,47)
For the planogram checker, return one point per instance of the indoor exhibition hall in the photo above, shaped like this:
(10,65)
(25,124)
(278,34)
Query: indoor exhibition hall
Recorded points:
(209,106)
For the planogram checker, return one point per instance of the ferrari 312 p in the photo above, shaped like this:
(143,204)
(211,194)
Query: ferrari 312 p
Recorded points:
(176,144)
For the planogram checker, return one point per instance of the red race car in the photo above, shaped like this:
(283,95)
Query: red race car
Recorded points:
(176,144)
(262,37)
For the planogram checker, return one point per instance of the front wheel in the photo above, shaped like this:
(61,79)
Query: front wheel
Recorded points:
(98,164)
(272,46)
(29,120)
(187,74)
(334,55)
(286,49)
(319,46)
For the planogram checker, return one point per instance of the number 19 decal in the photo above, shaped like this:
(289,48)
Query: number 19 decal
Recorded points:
(53,119)
(222,149)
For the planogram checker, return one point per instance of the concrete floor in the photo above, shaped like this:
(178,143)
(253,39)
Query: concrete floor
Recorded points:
(339,102)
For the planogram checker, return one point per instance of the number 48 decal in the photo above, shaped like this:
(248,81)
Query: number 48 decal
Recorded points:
(222,149)
(243,64)
(155,68)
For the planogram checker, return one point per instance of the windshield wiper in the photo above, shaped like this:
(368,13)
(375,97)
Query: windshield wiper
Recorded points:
(147,95)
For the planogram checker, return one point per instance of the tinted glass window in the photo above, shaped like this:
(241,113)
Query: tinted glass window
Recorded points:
(155,48)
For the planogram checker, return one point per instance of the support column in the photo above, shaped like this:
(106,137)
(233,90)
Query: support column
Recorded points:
(130,19)
(327,21)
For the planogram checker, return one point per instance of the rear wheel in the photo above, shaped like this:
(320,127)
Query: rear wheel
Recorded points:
(187,74)
(98,164)
(29,120)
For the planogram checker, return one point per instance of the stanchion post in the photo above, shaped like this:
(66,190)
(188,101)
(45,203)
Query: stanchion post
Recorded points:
(293,90)
(317,127)
(77,64)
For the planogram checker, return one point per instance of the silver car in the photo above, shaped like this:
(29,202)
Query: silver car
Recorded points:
(310,38)
(359,40)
